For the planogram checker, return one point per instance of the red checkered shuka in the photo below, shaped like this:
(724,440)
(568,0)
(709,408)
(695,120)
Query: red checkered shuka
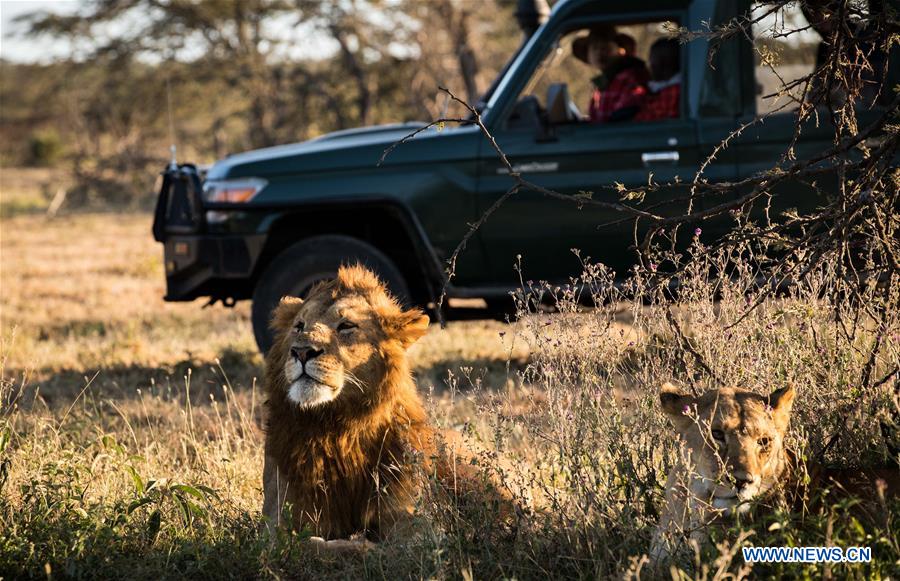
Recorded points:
(661,105)
(627,89)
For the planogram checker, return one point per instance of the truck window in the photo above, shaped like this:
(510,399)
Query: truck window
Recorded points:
(563,85)
(785,49)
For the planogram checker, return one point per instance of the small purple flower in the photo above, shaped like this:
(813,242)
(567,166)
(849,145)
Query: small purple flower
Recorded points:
(768,408)
(697,231)
(631,343)
(686,409)
(653,267)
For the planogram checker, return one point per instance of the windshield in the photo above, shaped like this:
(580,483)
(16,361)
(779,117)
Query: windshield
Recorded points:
(549,62)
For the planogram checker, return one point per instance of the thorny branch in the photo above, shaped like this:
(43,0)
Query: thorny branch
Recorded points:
(856,230)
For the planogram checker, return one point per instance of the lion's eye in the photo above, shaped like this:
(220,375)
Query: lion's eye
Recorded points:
(718,435)
(299,326)
(346,326)
(764,443)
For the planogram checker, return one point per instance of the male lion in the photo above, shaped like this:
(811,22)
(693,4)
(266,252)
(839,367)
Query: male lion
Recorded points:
(735,452)
(345,425)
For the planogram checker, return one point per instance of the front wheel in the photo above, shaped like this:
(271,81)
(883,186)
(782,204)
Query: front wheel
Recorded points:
(303,264)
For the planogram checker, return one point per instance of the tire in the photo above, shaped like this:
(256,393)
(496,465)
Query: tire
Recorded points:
(301,265)
(501,308)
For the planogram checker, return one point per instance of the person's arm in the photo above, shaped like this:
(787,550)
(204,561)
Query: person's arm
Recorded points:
(628,98)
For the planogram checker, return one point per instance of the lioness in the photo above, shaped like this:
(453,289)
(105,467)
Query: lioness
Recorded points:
(735,452)
(345,424)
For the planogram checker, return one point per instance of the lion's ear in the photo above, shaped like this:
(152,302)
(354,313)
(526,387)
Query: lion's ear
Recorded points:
(781,402)
(284,314)
(676,404)
(409,326)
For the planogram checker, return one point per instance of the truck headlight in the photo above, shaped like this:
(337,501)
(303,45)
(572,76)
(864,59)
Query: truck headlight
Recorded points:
(234,191)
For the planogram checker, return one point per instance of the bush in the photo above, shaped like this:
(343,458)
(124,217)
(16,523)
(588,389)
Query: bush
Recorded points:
(45,148)
(596,449)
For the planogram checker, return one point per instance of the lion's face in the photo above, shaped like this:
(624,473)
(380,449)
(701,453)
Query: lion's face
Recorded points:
(735,440)
(335,345)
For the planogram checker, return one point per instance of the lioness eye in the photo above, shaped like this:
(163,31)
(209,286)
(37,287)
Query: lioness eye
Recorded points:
(763,442)
(718,435)
(346,326)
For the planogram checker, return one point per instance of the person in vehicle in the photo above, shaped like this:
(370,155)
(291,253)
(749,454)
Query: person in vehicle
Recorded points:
(626,43)
(621,87)
(662,101)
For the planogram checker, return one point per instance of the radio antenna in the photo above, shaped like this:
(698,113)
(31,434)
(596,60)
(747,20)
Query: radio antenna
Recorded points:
(173,161)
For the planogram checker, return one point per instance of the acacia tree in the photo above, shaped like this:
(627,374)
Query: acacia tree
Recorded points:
(457,48)
(366,57)
(231,38)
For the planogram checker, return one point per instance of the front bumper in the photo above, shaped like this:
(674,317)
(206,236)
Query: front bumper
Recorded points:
(199,263)
(210,265)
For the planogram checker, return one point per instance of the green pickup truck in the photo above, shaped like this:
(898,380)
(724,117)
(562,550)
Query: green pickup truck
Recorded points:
(267,223)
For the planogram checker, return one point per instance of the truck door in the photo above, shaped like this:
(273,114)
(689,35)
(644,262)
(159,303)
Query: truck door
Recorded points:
(583,160)
(764,144)
(576,158)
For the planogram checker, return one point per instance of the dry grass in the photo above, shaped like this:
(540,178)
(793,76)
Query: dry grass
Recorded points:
(101,377)
(83,293)
(29,190)
(130,440)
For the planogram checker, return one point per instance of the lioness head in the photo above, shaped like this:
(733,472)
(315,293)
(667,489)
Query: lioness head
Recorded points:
(735,440)
(337,344)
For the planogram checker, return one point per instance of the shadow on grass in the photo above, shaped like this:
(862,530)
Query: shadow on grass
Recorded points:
(201,377)
(113,543)
(236,368)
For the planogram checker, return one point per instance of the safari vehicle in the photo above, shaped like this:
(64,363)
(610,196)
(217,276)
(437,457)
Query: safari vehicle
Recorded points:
(271,222)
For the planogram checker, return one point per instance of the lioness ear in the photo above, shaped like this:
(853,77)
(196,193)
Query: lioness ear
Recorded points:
(284,314)
(675,403)
(409,326)
(781,402)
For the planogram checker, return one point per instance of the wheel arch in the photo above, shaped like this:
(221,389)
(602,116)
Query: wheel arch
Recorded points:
(387,225)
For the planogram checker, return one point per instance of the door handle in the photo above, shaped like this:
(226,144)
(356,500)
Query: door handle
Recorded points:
(658,157)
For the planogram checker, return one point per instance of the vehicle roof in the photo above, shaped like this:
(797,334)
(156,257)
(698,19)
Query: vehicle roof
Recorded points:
(568,8)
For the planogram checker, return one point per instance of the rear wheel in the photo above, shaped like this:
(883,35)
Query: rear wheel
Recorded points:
(303,264)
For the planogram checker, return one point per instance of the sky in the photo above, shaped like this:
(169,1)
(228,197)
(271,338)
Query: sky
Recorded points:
(19,49)
(303,41)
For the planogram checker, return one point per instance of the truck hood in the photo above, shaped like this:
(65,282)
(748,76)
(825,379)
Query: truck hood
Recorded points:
(338,150)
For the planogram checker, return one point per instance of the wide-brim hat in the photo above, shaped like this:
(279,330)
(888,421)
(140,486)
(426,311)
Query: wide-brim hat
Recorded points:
(598,32)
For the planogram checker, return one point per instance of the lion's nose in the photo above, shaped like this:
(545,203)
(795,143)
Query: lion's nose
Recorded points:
(742,481)
(304,354)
